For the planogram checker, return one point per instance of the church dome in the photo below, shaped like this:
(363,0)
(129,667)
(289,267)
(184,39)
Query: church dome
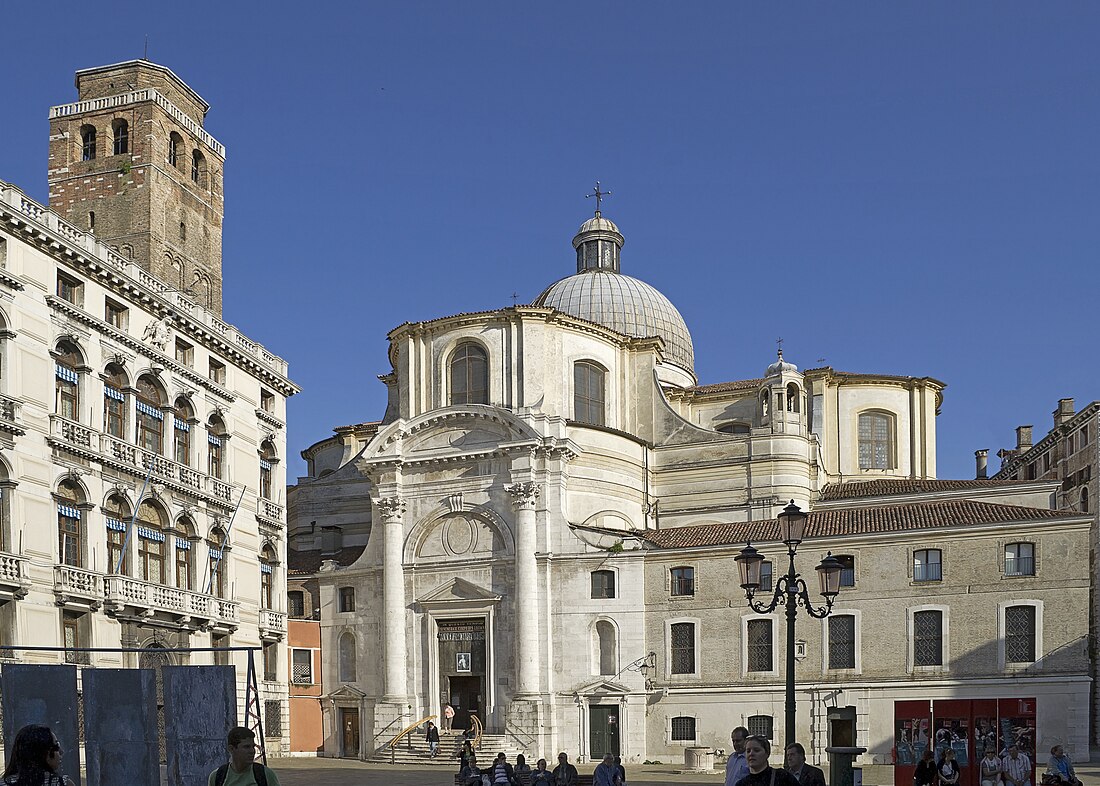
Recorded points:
(780,366)
(600,293)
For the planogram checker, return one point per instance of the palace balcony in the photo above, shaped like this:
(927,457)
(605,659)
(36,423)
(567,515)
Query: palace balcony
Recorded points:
(11,420)
(130,597)
(272,625)
(14,583)
(75,586)
(270,512)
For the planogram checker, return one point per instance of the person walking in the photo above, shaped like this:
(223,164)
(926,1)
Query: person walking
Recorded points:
(35,759)
(925,774)
(1060,766)
(1016,767)
(432,736)
(242,769)
(947,769)
(757,751)
(990,767)
(805,774)
(565,774)
(736,765)
(448,716)
(541,776)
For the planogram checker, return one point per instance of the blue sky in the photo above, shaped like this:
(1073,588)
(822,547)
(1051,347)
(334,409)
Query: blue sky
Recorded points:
(902,188)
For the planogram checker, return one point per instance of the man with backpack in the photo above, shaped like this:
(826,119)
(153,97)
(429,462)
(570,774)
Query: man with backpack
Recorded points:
(242,769)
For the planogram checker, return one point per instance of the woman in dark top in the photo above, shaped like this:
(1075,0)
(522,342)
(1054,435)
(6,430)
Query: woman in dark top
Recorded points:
(947,769)
(925,774)
(35,759)
(757,751)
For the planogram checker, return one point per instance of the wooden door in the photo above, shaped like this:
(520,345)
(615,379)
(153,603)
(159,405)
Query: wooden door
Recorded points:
(349,723)
(603,731)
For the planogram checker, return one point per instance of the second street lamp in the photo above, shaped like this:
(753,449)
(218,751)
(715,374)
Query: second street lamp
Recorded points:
(791,590)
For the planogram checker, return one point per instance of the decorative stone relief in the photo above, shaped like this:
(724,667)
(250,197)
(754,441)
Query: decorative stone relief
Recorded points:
(524,495)
(158,333)
(391,507)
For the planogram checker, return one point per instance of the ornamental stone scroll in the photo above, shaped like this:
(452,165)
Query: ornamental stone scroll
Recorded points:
(524,495)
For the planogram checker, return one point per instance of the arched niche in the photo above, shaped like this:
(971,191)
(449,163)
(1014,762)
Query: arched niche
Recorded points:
(460,535)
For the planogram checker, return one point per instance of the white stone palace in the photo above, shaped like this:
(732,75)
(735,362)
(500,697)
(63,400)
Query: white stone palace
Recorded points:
(541,531)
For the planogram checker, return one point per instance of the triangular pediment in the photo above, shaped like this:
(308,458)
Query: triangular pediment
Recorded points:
(603,687)
(346,692)
(457,591)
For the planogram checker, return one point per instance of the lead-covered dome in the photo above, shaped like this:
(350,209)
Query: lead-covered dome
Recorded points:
(600,293)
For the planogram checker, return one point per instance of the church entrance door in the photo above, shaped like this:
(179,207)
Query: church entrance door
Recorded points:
(603,730)
(465,693)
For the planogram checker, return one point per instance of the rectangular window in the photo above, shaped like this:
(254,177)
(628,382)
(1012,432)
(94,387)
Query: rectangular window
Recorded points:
(847,570)
(273,718)
(1084,438)
(347,599)
(683,582)
(114,412)
(1020,634)
(683,729)
(1020,559)
(842,641)
(185,353)
(928,638)
(70,289)
(766,573)
(72,630)
(182,450)
(151,559)
(301,665)
(115,315)
(760,726)
(220,642)
(603,584)
(927,565)
(217,371)
(296,604)
(271,661)
(266,593)
(267,400)
(683,647)
(759,645)
(183,564)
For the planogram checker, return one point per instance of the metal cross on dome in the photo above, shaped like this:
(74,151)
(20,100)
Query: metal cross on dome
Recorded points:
(599,196)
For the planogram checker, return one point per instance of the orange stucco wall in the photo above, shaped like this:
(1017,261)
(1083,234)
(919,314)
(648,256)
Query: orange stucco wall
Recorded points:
(306,730)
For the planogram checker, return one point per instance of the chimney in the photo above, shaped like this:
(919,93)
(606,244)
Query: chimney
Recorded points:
(332,540)
(1064,411)
(981,459)
(1023,438)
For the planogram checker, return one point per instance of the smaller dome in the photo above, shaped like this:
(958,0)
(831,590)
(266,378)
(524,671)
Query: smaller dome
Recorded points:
(780,366)
(598,224)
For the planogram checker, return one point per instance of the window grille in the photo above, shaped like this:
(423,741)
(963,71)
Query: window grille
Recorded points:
(302,667)
(683,581)
(927,565)
(1020,559)
(928,638)
(759,645)
(683,729)
(1020,634)
(273,718)
(296,604)
(683,647)
(874,441)
(760,726)
(842,641)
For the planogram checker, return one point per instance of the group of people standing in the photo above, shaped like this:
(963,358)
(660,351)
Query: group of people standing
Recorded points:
(748,765)
(609,772)
(1011,769)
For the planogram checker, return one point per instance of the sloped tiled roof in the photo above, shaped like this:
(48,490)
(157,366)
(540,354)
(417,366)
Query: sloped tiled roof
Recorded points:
(302,563)
(727,387)
(889,486)
(854,521)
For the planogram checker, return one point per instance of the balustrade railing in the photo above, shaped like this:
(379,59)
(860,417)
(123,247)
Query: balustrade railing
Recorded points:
(13,574)
(73,581)
(273,620)
(9,410)
(146,595)
(271,510)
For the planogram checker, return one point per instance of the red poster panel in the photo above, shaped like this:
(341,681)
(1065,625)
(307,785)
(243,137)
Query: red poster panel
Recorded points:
(1017,727)
(984,716)
(912,732)
(951,730)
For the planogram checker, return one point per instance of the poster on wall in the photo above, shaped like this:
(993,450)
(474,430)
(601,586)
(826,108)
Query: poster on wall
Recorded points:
(952,733)
(462,662)
(910,740)
(1019,732)
(985,735)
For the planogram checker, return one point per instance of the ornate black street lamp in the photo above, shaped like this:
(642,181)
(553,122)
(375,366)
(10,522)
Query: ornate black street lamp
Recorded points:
(792,526)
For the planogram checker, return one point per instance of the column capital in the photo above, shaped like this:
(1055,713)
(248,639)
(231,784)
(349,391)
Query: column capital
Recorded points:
(524,495)
(391,508)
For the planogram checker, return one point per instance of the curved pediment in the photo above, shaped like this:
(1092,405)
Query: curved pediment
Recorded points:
(458,535)
(472,430)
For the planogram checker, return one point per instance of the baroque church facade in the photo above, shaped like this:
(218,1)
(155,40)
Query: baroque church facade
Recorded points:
(141,436)
(540,531)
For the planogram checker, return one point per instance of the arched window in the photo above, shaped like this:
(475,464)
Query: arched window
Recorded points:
(151,542)
(67,385)
(87,143)
(91,220)
(150,417)
(114,401)
(198,167)
(70,524)
(1084,500)
(185,563)
(181,428)
(117,518)
(267,568)
(734,428)
(122,136)
(215,439)
(6,487)
(589,397)
(764,403)
(793,397)
(469,375)
(267,462)
(216,546)
(347,657)
(606,647)
(175,147)
(876,440)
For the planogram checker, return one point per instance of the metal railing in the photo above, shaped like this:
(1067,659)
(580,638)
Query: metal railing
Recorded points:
(392,744)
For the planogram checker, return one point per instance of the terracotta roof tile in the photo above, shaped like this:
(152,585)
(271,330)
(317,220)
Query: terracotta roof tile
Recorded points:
(854,521)
(727,387)
(303,563)
(884,487)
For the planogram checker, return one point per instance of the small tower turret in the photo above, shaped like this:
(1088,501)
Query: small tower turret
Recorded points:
(783,398)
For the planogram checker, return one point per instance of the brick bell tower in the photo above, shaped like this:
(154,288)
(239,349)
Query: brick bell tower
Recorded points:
(131,161)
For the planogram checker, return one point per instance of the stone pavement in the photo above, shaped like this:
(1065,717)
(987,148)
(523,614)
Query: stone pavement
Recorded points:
(342,772)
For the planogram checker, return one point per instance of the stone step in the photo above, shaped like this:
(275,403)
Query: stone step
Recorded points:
(414,750)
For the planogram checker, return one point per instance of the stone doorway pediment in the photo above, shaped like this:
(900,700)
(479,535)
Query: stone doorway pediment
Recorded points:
(603,688)
(346,693)
(457,592)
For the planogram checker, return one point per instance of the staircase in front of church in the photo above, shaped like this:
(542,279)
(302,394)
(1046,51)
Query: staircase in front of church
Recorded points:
(414,750)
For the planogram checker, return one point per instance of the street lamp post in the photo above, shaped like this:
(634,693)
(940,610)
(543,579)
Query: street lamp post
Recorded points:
(792,527)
